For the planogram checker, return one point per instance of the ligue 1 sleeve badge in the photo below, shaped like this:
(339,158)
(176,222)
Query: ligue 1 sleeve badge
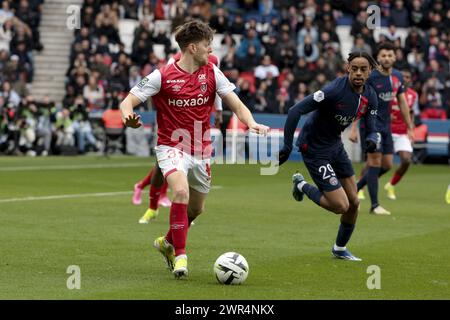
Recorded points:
(318,96)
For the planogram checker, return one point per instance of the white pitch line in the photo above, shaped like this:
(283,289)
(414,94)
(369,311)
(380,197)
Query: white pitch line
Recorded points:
(67,196)
(78,166)
(71,196)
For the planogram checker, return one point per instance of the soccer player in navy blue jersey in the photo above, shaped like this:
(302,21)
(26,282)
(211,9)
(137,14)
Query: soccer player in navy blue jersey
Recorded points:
(388,84)
(333,108)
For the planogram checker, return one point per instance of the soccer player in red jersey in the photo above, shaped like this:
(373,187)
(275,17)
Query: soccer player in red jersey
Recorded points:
(184,93)
(158,186)
(402,144)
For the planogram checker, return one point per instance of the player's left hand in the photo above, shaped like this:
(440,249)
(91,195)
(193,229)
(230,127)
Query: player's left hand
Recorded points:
(283,155)
(133,121)
(259,129)
(218,119)
(411,135)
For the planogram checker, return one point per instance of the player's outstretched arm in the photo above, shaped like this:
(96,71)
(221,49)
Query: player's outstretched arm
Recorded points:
(242,112)
(305,106)
(406,114)
(129,118)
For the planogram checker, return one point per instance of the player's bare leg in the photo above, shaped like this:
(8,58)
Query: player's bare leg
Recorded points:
(158,182)
(405,162)
(196,204)
(179,222)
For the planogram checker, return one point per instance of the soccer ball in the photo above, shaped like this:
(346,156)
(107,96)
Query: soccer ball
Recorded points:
(231,268)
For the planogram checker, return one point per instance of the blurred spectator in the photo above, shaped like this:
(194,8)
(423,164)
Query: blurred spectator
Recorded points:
(219,21)
(94,94)
(247,97)
(308,30)
(265,68)
(308,50)
(251,39)
(9,95)
(399,15)
(131,9)
(302,72)
(249,61)
(392,34)
(361,45)
(237,25)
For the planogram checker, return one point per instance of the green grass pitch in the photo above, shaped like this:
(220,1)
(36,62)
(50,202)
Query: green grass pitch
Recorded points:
(286,243)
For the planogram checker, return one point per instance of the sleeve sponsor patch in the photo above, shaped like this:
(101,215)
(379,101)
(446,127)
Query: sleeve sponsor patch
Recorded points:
(318,96)
(142,83)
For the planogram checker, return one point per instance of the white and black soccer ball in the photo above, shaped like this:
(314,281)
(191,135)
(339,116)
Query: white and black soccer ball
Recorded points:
(231,268)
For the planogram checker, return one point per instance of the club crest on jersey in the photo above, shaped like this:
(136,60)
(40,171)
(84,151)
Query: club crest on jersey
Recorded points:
(142,82)
(202,77)
(362,108)
(318,96)
(203,87)
(176,88)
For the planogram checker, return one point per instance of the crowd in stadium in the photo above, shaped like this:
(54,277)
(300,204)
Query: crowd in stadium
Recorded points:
(287,50)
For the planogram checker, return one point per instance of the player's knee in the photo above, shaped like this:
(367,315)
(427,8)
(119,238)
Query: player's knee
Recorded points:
(406,161)
(180,195)
(354,203)
(341,207)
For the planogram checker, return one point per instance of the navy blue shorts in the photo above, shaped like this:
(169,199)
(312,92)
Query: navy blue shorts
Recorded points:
(327,168)
(386,145)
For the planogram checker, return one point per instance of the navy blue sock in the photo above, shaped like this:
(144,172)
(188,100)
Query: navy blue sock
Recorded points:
(363,181)
(372,184)
(382,171)
(344,234)
(312,192)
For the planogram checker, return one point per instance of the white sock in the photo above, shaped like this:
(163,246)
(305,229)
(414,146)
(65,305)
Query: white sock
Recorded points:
(181,256)
(300,185)
(336,248)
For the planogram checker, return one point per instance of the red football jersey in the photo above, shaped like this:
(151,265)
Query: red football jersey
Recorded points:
(184,102)
(398,125)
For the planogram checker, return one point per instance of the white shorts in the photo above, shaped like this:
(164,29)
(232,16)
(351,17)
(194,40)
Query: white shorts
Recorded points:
(198,171)
(401,143)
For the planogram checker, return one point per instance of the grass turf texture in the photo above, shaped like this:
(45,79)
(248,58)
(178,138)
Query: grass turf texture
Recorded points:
(286,243)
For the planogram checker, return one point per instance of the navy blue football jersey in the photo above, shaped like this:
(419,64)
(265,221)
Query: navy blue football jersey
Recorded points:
(387,88)
(333,108)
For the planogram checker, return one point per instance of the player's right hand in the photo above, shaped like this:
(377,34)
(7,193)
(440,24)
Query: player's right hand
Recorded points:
(283,155)
(353,137)
(133,121)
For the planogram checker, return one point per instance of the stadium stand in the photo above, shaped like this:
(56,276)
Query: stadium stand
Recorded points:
(121,41)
